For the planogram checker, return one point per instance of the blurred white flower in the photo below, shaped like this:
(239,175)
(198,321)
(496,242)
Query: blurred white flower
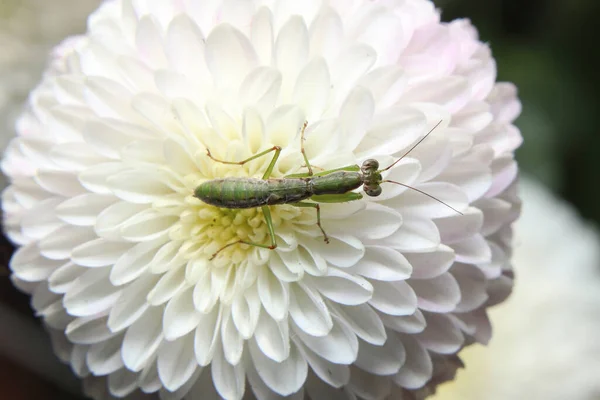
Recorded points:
(28,30)
(116,250)
(545,338)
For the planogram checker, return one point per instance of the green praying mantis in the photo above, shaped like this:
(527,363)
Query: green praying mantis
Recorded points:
(330,186)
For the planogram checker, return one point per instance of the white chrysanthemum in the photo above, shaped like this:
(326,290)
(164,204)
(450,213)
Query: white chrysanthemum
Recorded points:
(548,328)
(115,248)
(28,30)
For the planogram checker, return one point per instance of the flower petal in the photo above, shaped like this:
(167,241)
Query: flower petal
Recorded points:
(285,377)
(308,310)
(343,288)
(176,362)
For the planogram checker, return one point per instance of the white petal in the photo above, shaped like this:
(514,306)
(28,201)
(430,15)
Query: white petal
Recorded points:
(122,382)
(272,338)
(181,317)
(231,340)
(168,286)
(261,89)
(105,357)
(440,294)
(384,264)
(273,295)
(60,183)
(149,41)
(457,227)
(63,278)
(343,288)
(387,84)
(91,294)
(308,310)
(207,338)
(472,283)
(340,346)
(413,203)
(355,118)
(381,222)
(60,244)
(474,250)
(364,321)
(393,298)
(283,124)
(149,380)
(206,292)
(245,311)
(262,391)
(95,178)
(418,367)
(473,178)
(229,54)
(88,330)
(133,263)
(336,375)
(168,258)
(415,234)
(138,186)
(326,34)
(184,390)
(147,225)
(229,380)
(262,34)
(83,210)
(284,377)
(41,219)
(495,213)
(28,265)
(351,64)
(381,360)
(393,132)
(142,339)
(185,46)
(427,265)
(312,88)
(291,51)
(441,334)
(176,362)
(77,361)
(132,303)
(413,323)
(99,252)
(109,221)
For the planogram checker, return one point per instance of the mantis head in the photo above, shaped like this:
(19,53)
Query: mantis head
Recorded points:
(371,177)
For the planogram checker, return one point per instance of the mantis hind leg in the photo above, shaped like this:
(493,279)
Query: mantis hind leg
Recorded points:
(318,208)
(269,221)
(269,170)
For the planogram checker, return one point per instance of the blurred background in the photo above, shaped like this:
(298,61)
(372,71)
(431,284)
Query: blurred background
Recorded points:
(549,49)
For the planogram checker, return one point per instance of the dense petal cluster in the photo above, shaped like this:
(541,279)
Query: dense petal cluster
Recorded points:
(28,30)
(116,250)
(540,312)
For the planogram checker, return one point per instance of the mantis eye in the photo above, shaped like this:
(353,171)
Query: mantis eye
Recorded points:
(373,191)
(369,165)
